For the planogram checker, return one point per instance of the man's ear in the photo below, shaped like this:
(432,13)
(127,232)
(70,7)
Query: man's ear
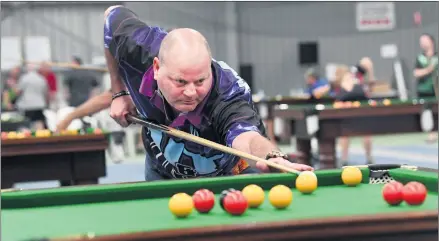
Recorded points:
(156,67)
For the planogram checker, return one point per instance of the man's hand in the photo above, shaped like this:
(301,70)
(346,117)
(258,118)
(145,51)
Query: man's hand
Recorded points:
(299,167)
(63,124)
(120,107)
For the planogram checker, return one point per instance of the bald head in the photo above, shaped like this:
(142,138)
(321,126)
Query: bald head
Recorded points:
(184,44)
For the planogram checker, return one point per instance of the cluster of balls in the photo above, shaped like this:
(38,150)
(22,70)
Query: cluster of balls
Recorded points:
(47,133)
(413,193)
(232,201)
(237,202)
(349,104)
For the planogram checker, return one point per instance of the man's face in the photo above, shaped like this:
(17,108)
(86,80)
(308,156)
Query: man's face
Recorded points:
(425,43)
(184,84)
(310,80)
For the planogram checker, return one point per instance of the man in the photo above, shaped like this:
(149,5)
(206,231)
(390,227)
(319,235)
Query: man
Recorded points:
(81,84)
(33,96)
(426,72)
(172,80)
(316,87)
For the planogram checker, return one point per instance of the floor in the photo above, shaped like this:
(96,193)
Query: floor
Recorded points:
(410,149)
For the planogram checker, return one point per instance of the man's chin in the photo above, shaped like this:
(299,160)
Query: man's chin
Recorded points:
(186,108)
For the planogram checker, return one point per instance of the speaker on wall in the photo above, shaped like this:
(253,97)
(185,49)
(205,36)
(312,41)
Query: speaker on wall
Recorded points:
(246,72)
(308,53)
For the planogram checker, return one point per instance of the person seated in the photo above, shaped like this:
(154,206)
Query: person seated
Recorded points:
(317,87)
(348,82)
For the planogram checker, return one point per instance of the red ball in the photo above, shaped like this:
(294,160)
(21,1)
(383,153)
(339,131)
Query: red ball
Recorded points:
(204,200)
(235,203)
(392,193)
(414,193)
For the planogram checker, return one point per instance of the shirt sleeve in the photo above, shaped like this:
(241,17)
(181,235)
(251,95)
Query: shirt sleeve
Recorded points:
(129,39)
(418,64)
(234,117)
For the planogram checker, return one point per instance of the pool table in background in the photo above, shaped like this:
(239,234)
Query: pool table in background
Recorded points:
(139,211)
(397,118)
(270,103)
(71,159)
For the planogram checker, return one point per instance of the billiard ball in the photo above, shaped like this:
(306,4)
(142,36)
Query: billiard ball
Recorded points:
(223,195)
(181,205)
(235,203)
(356,104)
(280,196)
(414,193)
(254,194)
(351,176)
(392,193)
(204,200)
(386,102)
(306,182)
(97,131)
(347,104)
(338,104)
(12,135)
(372,102)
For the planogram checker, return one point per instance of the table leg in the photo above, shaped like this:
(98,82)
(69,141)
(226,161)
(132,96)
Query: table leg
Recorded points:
(327,153)
(303,147)
(85,181)
(270,130)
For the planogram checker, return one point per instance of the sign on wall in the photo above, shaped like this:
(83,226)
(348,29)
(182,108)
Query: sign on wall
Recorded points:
(375,16)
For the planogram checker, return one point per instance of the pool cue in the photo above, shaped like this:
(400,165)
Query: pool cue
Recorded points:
(205,142)
(67,65)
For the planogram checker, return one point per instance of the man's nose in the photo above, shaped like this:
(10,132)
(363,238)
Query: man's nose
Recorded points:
(190,90)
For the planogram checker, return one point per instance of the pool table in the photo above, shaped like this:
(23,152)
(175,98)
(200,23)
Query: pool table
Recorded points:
(270,103)
(327,123)
(139,211)
(71,159)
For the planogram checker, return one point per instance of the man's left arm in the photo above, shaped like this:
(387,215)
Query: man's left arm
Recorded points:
(241,127)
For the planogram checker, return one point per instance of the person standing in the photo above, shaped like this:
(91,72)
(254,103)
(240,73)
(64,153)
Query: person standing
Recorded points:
(81,84)
(426,72)
(33,97)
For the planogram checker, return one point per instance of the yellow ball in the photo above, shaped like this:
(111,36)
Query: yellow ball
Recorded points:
(181,205)
(306,182)
(12,135)
(280,196)
(351,176)
(254,194)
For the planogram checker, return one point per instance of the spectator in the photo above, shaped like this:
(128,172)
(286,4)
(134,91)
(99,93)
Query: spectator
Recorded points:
(81,84)
(426,71)
(316,87)
(33,97)
(50,76)
(350,85)
(10,93)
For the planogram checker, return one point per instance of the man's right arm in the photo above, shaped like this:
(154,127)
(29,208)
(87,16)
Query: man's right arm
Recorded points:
(420,72)
(128,41)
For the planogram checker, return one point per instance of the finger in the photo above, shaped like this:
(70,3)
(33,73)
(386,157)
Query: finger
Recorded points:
(123,119)
(262,166)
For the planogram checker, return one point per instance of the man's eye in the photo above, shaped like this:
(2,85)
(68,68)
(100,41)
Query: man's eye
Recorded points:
(180,81)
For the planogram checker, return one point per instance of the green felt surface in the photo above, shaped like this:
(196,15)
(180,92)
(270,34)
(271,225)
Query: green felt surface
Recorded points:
(144,206)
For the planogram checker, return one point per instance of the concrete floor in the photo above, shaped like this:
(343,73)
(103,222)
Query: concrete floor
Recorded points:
(410,149)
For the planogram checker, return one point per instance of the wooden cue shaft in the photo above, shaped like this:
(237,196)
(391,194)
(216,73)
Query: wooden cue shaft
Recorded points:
(67,65)
(226,149)
(208,143)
